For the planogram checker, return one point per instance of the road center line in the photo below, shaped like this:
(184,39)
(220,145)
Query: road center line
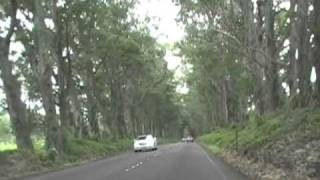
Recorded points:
(134,166)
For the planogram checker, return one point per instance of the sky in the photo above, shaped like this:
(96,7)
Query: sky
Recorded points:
(163,14)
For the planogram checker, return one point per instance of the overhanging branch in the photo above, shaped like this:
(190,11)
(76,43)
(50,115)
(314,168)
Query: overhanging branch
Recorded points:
(153,86)
(13,21)
(235,39)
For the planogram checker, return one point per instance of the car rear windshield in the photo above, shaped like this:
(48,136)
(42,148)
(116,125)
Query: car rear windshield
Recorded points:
(141,137)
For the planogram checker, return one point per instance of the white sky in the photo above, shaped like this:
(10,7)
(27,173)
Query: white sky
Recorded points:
(163,14)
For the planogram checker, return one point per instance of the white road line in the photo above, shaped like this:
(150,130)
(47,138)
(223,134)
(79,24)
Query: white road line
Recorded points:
(215,165)
(134,166)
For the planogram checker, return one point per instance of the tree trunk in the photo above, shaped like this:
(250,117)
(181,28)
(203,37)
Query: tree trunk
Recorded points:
(96,105)
(92,117)
(54,134)
(254,42)
(304,60)
(316,32)
(46,58)
(100,103)
(293,47)
(75,108)
(16,108)
(260,72)
(127,116)
(127,107)
(64,106)
(225,102)
(73,93)
(272,82)
(12,89)
(116,100)
(91,101)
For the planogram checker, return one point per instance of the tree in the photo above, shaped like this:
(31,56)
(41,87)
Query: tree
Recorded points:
(247,57)
(46,58)
(316,51)
(90,70)
(303,51)
(12,87)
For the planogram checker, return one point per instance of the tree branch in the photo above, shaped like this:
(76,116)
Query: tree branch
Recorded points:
(235,39)
(13,22)
(153,86)
(228,35)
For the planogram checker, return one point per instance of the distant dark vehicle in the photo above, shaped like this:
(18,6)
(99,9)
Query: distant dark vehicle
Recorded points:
(188,139)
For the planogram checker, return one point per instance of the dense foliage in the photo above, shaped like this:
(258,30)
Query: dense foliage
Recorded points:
(248,56)
(88,70)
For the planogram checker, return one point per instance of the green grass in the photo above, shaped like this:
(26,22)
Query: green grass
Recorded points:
(38,144)
(76,149)
(167,141)
(6,135)
(218,140)
(257,132)
(6,146)
(79,148)
(261,130)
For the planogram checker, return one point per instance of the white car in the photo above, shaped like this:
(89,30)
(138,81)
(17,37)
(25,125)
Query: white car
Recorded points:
(188,139)
(144,143)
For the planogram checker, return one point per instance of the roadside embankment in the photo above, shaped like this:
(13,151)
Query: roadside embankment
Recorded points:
(282,146)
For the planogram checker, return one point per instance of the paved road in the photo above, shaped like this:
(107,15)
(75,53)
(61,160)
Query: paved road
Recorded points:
(171,162)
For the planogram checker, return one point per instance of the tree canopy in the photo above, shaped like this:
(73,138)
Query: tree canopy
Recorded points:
(248,56)
(91,70)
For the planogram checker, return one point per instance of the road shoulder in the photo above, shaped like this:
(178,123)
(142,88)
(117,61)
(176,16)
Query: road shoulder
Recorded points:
(229,172)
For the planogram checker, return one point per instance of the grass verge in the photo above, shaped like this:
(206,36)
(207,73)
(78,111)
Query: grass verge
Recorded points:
(14,163)
(77,151)
(287,143)
(254,134)
(167,141)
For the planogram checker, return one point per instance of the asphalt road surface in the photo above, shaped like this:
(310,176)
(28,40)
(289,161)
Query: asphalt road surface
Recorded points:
(171,162)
